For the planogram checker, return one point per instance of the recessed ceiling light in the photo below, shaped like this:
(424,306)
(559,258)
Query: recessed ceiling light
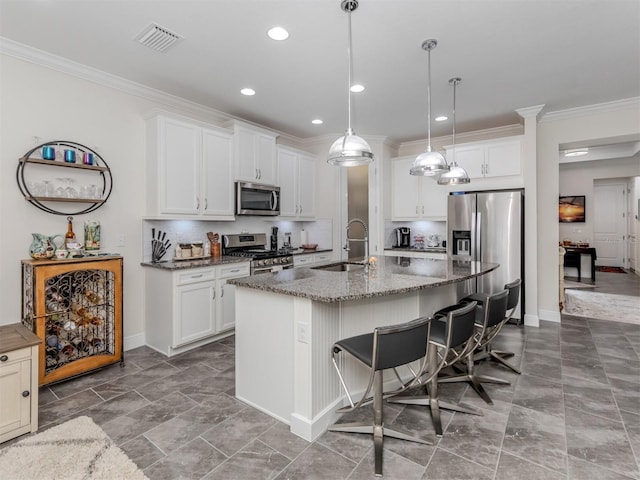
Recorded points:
(357,88)
(576,152)
(441,118)
(317,121)
(277,33)
(248,91)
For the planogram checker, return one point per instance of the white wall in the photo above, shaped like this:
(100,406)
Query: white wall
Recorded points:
(577,178)
(608,123)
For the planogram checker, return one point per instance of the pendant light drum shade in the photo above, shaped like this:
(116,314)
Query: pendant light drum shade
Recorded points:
(350,150)
(429,163)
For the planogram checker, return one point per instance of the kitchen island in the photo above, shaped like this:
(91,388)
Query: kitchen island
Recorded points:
(286,323)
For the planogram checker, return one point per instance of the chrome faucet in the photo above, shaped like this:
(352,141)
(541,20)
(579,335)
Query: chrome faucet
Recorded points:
(365,239)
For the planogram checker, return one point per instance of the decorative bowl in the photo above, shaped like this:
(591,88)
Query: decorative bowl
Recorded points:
(310,246)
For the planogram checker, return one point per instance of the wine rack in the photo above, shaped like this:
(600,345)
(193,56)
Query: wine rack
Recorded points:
(75,307)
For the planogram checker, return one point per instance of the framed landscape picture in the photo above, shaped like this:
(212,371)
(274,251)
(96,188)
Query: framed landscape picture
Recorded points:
(571,209)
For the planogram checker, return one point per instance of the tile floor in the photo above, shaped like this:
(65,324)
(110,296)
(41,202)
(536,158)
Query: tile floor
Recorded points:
(574,413)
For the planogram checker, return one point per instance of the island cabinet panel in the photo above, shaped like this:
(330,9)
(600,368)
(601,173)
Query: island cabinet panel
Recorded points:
(283,344)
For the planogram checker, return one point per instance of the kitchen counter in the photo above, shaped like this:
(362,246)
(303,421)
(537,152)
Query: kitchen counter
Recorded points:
(195,263)
(387,278)
(286,323)
(419,250)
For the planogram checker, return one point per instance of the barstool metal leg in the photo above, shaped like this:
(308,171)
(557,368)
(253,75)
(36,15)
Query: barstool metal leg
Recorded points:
(378,433)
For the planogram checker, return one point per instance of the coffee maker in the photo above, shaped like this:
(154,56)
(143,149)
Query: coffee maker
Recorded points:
(403,237)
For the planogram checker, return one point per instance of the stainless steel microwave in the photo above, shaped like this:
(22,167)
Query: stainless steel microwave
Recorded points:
(257,199)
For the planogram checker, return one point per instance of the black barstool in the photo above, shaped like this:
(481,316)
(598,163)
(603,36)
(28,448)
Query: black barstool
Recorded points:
(486,350)
(488,316)
(387,347)
(451,338)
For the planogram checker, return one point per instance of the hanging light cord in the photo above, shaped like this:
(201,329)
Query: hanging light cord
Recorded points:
(429,100)
(453,160)
(349,6)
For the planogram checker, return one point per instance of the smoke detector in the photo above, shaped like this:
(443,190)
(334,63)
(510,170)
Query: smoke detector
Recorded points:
(158,38)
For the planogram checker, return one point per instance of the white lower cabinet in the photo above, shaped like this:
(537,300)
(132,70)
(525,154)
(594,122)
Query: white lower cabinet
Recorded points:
(188,308)
(18,381)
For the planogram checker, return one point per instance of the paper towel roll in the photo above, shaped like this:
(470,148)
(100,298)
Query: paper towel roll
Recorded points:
(304,240)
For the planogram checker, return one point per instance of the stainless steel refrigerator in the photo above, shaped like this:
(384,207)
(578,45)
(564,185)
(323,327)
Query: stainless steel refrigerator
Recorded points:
(489,227)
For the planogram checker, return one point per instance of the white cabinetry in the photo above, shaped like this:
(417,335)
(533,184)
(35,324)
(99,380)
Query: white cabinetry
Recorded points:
(415,254)
(18,381)
(188,308)
(311,259)
(255,154)
(189,169)
(415,197)
(297,181)
(490,158)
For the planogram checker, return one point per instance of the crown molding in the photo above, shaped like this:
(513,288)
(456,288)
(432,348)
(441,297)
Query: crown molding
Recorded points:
(592,109)
(467,137)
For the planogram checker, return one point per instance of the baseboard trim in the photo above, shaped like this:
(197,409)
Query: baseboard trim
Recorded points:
(550,315)
(134,341)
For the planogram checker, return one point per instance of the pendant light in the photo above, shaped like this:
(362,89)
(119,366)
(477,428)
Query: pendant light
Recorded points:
(429,163)
(350,150)
(456,174)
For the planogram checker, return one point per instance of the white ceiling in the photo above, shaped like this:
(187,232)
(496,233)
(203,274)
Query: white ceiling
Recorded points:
(510,54)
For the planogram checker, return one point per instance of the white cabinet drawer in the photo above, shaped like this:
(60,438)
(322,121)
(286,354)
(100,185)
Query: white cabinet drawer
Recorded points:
(235,270)
(319,258)
(196,275)
(302,260)
(14,355)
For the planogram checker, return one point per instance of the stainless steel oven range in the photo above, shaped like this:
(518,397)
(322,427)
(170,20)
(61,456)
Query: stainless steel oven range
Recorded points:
(253,245)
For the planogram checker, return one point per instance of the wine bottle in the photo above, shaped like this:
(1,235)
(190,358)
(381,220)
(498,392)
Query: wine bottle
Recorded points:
(69,237)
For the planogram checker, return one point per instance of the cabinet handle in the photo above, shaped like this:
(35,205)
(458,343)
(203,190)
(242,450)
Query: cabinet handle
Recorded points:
(221,291)
(259,174)
(25,394)
(300,209)
(235,270)
(196,276)
(197,203)
(4,358)
(257,177)
(214,294)
(206,204)
(416,209)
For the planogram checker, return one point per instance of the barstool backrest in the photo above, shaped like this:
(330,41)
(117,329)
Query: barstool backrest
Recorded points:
(495,308)
(396,345)
(514,293)
(460,324)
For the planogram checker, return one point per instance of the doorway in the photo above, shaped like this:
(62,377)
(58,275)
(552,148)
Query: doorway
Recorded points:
(357,206)
(609,222)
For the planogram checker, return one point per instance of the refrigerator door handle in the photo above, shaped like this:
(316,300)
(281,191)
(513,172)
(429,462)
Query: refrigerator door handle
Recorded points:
(476,230)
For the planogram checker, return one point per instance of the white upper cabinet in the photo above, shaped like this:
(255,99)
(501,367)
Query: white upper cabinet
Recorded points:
(255,154)
(297,181)
(490,158)
(415,197)
(189,169)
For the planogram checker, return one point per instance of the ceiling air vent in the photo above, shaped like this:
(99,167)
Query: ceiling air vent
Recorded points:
(158,38)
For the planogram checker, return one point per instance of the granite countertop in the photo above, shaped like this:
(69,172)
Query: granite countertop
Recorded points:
(419,250)
(388,278)
(204,262)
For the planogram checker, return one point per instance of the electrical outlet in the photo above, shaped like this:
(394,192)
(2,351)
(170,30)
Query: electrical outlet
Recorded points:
(120,240)
(303,333)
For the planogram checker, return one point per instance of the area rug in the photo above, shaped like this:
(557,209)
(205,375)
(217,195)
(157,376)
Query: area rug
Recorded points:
(603,306)
(77,449)
(603,268)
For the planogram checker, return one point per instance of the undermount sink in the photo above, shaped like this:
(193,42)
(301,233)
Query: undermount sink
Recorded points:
(340,267)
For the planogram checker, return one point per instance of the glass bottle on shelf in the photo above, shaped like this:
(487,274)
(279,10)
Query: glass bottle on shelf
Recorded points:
(69,237)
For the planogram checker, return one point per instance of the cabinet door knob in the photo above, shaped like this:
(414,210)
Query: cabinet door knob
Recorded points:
(25,393)
(4,358)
